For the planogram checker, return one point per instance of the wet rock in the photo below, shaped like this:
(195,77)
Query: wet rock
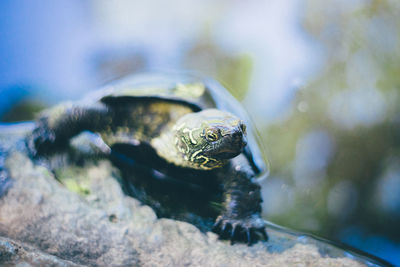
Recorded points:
(42,221)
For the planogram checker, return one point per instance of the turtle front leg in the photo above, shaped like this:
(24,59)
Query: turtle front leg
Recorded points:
(57,126)
(241,219)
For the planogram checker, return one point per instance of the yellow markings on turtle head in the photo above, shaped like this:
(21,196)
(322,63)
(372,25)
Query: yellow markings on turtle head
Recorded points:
(203,164)
(187,147)
(206,160)
(193,157)
(190,131)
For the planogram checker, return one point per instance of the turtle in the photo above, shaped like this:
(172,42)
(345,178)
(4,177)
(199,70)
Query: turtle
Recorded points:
(183,126)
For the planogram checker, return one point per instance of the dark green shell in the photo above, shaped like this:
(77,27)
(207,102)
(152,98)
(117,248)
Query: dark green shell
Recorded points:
(202,93)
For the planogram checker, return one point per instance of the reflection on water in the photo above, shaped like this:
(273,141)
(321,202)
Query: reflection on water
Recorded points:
(321,82)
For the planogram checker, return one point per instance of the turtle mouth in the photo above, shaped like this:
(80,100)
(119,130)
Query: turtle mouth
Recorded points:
(228,155)
(232,151)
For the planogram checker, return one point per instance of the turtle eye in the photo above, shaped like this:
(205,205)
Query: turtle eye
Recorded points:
(211,135)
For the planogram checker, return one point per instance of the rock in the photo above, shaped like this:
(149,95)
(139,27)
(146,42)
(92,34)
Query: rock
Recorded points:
(44,223)
(14,253)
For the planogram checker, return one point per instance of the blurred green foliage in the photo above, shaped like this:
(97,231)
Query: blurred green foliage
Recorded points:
(232,70)
(24,110)
(353,100)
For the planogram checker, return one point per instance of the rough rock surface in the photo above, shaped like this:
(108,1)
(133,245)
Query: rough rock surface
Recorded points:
(43,223)
(14,253)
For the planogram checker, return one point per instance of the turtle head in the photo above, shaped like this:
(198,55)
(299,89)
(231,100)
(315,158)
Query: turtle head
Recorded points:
(209,138)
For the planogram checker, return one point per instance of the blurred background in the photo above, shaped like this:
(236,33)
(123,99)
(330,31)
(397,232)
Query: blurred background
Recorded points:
(320,79)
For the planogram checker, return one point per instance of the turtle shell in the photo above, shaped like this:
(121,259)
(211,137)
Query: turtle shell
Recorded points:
(193,90)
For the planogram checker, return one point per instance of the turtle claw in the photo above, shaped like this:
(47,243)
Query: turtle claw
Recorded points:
(223,228)
(248,230)
(249,239)
(217,223)
(234,231)
(264,233)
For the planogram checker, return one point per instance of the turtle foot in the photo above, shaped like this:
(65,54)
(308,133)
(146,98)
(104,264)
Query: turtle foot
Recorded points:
(248,230)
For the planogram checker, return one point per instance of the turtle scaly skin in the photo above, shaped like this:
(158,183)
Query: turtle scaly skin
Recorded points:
(176,132)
